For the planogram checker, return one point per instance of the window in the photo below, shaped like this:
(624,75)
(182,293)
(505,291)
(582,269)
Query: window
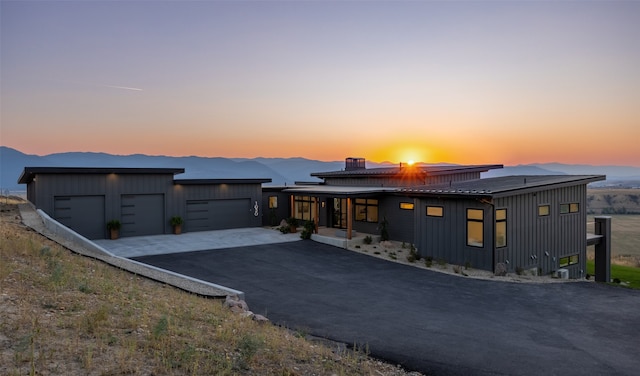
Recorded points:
(304,207)
(366,210)
(273,202)
(435,211)
(475,227)
(406,205)
(501,228)
(573,207)
(568,260)
(543,210)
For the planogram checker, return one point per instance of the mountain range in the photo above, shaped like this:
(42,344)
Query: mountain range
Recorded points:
(281,170)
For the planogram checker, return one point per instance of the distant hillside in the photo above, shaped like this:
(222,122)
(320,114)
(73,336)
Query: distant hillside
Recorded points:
(280,170)
(617,176)
(613,201)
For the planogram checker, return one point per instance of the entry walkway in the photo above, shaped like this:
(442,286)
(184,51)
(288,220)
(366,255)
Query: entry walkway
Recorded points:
(138,246)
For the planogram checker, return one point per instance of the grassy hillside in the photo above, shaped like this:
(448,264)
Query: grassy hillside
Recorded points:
(61,313)
(613,201)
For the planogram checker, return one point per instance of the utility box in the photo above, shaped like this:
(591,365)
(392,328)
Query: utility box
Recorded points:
(562,273)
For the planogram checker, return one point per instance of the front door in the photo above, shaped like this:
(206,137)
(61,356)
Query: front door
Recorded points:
(339,213)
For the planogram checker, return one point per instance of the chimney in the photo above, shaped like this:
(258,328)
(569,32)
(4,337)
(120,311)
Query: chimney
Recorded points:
(351,164)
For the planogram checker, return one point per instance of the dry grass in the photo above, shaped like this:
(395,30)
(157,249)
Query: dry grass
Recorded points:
(613,201)
(61,313)
(625,239)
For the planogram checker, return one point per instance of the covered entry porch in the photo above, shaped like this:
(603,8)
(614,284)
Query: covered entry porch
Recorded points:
(337,211)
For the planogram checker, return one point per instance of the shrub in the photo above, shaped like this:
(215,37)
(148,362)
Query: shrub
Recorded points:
(519,270)
(413,254)
(308,229)
(367,240)
(176,220)
(457,269)
(113,224)
(467,265)
(428,261)
(617,280)
(384,232)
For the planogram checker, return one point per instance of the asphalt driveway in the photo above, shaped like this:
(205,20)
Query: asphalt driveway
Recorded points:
(427,321)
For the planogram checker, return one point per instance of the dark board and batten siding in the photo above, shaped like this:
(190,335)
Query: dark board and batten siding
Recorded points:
(551,237)
(400,222)
(444,238)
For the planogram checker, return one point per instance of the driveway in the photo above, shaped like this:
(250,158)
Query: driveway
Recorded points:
(427,321)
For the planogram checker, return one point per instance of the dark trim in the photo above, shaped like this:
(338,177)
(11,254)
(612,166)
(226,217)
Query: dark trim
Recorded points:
(30,173)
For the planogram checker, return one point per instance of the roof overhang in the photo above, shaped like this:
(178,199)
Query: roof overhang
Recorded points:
(219,181)
(502,186)
(338,191)
(430,170)
(30,173)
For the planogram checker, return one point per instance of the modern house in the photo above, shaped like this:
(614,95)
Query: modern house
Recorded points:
(449,213)
(142,199)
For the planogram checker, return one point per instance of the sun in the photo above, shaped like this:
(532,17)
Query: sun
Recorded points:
(411,162)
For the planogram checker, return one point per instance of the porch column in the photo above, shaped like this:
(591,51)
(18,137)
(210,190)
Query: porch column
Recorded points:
(603,249)
(316,218)
(292,206)
(349,218)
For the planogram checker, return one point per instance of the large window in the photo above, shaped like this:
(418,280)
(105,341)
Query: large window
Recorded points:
(273,202)
(304,207)
(435,211)
(475,227)
(366,210)
(501,228)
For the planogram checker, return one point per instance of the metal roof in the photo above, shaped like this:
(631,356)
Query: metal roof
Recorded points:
(503,186)
(220,181)
(420,170)
(29,173)
(489,188)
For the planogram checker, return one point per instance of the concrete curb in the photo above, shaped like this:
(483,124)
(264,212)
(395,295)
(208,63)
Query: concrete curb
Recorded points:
(43,224)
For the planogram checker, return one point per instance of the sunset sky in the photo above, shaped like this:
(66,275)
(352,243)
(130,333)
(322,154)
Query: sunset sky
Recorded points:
(464,82)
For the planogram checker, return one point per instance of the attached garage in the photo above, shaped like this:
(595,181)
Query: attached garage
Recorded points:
(142,214)
(82,214)
(142,199)
(204,215)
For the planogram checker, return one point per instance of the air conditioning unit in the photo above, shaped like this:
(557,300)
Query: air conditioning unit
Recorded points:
(562,273)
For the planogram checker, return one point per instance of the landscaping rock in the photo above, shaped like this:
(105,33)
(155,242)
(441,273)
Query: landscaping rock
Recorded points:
(501,270)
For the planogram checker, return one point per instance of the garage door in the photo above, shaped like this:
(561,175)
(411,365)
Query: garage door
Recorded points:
(142,215)
(205,215)
(82,214)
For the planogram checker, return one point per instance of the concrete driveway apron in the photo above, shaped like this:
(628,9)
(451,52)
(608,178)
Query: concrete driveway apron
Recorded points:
(427,321)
